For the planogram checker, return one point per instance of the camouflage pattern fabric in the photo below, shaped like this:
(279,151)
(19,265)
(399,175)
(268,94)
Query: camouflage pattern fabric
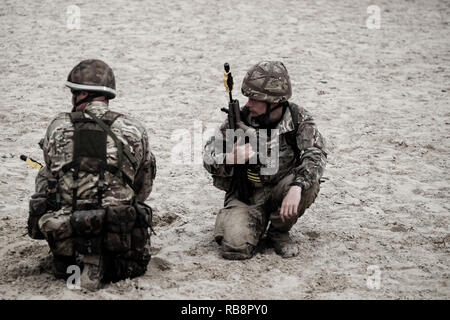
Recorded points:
(95,73)
(239,226)
(313,154)
(58,148)
(267,81)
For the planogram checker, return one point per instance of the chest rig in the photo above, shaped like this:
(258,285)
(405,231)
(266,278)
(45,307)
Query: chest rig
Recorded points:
(253,171)
(90,153)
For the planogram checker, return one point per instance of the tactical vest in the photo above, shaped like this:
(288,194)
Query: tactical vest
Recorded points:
(118,232)
(291,136)
(90,152)
(291,139)
(228,184)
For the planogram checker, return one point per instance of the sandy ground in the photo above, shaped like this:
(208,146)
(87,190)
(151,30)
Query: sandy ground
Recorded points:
(380,97)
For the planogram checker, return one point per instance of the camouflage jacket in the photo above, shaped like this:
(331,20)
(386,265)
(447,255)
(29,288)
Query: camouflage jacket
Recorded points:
(308,170)
(57,146)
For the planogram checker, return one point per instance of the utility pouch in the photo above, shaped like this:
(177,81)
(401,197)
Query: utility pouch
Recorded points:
(144,215)
(88,223)
(120,219)
(117,242)
(38,207)
(139,238)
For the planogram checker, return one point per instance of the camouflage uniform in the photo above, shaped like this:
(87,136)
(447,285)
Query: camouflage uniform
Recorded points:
(57,148)
(241,224)
(110,193)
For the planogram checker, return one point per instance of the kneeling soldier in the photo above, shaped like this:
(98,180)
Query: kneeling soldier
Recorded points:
(89,200)
(259,198)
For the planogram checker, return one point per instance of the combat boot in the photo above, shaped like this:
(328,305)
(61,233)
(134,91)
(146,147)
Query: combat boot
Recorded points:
(283,244)
(92,274)
(60,265)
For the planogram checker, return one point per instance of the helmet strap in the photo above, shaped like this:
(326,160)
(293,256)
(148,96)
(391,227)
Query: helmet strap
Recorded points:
(264,119)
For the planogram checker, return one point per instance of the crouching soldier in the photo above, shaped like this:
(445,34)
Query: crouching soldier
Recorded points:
(272,195)
(99,170)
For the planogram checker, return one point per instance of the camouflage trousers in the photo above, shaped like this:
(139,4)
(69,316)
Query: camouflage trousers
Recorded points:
(240,226)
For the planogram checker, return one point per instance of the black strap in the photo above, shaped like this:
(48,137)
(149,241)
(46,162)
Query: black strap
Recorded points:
(107,120)
(75,188)
(121,175)
(77,116)
(291,136)
(109,117)
(119,144)
(100,184)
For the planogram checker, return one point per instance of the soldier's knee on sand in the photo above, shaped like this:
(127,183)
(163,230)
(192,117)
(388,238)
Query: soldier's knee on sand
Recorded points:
(243,252)
(237,231)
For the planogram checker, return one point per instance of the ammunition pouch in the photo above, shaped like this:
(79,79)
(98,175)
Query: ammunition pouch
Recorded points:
(120,219)
(144,215)
(120,222)
(140,235)
(117,242)
(88,223)
(126,240)
(120,233)
(88,226)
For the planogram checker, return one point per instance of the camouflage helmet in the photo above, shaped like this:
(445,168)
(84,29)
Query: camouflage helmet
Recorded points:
(267,81)
(94,76)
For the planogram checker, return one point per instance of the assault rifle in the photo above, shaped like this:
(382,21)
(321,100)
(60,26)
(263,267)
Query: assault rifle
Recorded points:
(234,122)
(233,111)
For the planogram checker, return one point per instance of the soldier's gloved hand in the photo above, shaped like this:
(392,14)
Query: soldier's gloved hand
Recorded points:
(240,154)
(290,203)
(249,131)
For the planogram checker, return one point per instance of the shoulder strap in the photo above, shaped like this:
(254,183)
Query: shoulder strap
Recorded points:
(78,116)
(109,117)
(291,136)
